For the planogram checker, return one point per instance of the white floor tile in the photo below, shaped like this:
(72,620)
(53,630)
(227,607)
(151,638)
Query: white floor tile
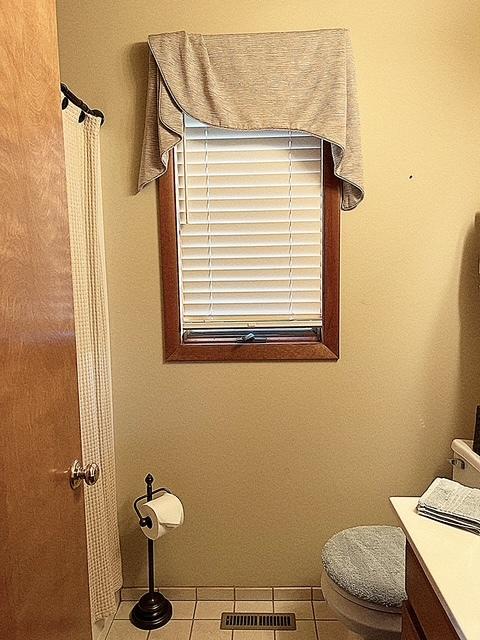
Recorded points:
(183,609)
(303,610)
(209,630)
(212,609)
(215,593)
(253,593)
(323,612)
(132,593)
(124,608)
(173,630)
(254,606)
(332,630)
(254,635)
(305,631)
(292,593)
(124,630)
(317,593)
(179,593)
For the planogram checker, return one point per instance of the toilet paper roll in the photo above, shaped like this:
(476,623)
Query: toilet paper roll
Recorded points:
(165,512)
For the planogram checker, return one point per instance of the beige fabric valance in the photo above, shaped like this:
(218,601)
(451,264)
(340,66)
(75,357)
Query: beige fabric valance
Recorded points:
(301,80)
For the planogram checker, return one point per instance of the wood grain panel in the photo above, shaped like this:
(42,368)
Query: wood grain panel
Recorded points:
(431,616)
(44,588)
(410,627)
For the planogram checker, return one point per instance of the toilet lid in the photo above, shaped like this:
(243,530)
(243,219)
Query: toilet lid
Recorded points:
(369,563)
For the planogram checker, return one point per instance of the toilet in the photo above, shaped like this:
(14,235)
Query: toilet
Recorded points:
(465,463)
(363,580)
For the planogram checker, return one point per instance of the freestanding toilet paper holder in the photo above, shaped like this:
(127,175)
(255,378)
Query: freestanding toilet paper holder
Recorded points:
(153,610)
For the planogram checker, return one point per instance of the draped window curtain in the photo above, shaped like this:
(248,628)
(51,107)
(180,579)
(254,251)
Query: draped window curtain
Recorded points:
(300,81)
(82,157)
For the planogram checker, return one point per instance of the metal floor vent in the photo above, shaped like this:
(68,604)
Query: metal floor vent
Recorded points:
(275,621)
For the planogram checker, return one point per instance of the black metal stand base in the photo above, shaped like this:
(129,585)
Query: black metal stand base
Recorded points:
(152,611)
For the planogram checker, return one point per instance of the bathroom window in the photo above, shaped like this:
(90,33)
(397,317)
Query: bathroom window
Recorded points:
(249,224)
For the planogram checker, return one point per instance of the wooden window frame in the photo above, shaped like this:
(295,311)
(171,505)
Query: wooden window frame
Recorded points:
(176,350)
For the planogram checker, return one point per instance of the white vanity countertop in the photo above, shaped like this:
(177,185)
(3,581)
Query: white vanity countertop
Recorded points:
(450,558)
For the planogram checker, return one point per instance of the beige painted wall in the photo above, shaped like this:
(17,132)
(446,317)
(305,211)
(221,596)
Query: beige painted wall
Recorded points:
(271,459)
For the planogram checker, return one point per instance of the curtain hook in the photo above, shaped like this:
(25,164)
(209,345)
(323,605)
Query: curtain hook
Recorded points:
(64,103)
(81,117)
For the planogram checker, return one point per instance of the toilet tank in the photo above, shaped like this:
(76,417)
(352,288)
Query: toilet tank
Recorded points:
(465,463)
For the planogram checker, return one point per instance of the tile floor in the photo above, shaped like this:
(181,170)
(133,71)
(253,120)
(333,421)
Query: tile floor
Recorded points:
(200,620)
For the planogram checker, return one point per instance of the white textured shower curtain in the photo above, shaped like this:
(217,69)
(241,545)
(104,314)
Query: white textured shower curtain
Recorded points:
(82,158)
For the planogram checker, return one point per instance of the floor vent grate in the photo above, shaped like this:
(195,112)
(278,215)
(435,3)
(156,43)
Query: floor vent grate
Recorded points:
(275,621)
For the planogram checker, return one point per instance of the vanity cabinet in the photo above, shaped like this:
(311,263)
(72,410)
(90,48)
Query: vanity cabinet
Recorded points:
(442,577)
(410,630)
(423,615)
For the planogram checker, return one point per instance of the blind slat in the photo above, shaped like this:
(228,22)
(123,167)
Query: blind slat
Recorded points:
(269,229)
(259,205)
(278,240)
(249,206)
(279,273)
(224,255)
(244,143)
(273,156)
(253,309)
(250,180)
(257,297)
(250,322)
(248,263)
(249,192)
(246,168)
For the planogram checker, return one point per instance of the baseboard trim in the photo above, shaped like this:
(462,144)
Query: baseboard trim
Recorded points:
(229,593)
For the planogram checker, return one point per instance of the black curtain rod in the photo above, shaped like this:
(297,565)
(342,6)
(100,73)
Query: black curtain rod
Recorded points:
(70,96)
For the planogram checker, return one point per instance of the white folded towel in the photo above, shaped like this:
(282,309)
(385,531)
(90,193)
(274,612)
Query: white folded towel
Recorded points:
(451,503)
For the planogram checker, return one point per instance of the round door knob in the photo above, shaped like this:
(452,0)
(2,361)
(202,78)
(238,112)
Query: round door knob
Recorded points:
(92,473)
(89,474)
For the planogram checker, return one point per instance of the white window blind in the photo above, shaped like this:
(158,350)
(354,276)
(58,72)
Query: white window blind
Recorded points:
(249,206)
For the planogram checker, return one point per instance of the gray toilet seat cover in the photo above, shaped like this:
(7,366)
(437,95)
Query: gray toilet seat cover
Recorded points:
(369,563)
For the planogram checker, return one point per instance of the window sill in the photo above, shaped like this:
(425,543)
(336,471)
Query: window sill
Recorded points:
(256,352)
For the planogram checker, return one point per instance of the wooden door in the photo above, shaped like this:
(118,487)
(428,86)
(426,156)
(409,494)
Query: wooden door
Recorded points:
(43,565)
